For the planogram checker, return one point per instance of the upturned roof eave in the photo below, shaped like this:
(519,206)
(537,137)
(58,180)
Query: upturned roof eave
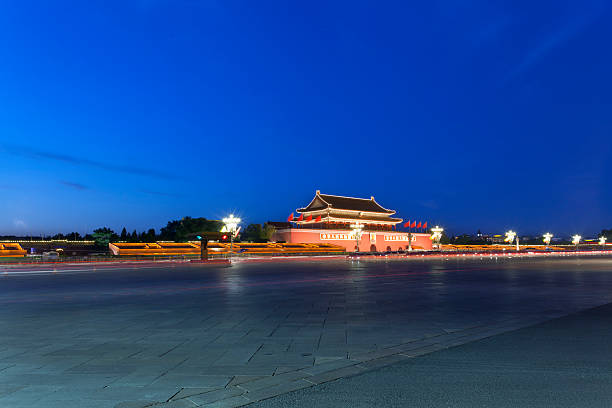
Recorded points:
(364,220)
(319,196)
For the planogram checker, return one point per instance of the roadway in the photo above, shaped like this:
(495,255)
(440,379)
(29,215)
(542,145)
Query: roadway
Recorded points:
(189,335)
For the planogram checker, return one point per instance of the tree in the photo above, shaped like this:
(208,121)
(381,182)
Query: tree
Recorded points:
(268,232)
(258,233)
(253,232)
(445,239)
(103,236)
(74,236)
(134,237)
(182,230)
(150,236)
(124,234)
(607,234)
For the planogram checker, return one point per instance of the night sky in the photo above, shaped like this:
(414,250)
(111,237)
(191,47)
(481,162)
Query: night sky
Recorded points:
(473,115)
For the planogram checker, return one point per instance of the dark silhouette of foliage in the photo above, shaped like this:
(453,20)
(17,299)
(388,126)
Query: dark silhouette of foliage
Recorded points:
(258,233)
(102,236)
(253,232)
(184,229)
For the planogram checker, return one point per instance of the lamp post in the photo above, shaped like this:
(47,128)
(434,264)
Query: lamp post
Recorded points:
(510,237)
(576,240)
(602,242)
(436,236)
(547,238)
(357,229)
(230,225)
(410,240)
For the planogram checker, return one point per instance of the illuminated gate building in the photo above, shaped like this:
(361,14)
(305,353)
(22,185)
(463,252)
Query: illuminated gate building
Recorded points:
(328,219)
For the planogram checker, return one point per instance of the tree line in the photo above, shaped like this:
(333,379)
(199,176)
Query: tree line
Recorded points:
(177,230)
(180,231)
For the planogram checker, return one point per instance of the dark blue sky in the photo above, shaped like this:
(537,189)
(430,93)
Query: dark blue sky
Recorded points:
(469,114)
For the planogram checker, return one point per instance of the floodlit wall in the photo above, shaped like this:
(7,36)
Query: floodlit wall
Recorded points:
(371,241)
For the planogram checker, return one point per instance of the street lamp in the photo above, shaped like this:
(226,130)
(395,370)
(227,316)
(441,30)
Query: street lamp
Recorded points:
(357,229)
(230,225)
(510,237)
(602,241)
(436,236)
(576,240)
(547,238)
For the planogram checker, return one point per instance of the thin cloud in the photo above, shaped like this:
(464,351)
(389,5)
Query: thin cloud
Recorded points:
(77,161)
(76,186)
(554,40)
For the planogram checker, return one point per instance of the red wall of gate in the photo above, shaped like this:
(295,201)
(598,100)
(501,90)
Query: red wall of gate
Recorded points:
(370,241)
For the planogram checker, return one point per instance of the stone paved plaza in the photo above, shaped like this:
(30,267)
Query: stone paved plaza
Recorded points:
(179,335)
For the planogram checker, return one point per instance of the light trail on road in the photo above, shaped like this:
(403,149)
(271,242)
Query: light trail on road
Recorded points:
(150,290)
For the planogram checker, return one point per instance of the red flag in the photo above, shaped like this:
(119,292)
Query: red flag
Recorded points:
(420,225)
(413,224)
(301,217)
(425,225)
(290,218)
(318,219)
(309,218)
(407,225)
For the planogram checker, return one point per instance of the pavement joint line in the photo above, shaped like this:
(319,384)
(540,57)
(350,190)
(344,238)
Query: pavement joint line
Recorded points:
(6,368)
(175,394)
(256,351)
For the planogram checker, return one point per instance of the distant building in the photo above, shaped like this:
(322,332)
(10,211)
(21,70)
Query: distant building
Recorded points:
(328,219)
(496,239)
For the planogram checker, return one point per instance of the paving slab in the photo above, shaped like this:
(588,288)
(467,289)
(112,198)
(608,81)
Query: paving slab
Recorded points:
(217,395)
